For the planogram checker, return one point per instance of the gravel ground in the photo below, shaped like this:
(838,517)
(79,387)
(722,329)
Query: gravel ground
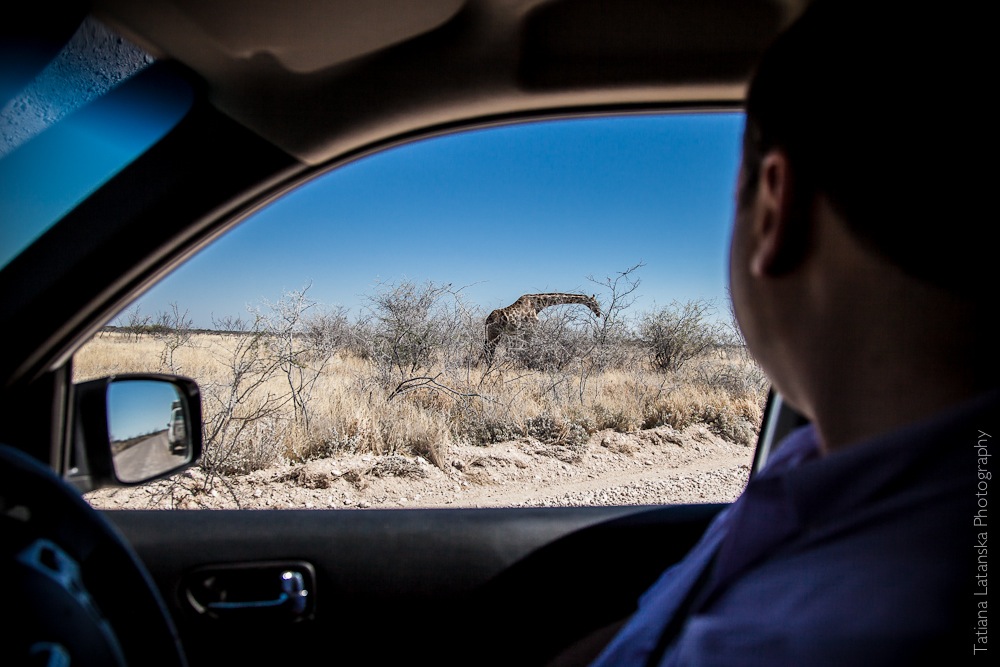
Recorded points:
(656,466)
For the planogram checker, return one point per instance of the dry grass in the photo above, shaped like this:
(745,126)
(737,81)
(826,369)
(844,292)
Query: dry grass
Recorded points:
(350,409)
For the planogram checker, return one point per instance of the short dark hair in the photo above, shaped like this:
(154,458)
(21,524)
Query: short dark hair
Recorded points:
(875,105)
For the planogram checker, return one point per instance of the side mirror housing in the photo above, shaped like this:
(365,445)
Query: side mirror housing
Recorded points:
(131,429)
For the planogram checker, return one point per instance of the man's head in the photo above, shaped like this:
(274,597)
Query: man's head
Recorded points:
(875,105)
(859,188)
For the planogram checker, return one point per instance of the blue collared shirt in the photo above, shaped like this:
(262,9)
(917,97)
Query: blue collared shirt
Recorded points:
(864,556)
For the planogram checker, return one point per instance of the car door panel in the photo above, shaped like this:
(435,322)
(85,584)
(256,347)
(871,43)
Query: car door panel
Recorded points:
(508,586)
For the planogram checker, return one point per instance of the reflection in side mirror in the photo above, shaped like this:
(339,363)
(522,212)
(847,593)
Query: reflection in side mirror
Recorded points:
(148,429)
(130,429)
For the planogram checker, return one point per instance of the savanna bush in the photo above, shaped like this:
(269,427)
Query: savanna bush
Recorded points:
(481,423)
(557,340)
(297,381)
(674,335)
(555,430)
(733,418)
(410,328)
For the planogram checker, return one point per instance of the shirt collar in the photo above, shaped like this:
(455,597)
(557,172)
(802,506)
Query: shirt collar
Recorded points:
(799,489)
(930,449)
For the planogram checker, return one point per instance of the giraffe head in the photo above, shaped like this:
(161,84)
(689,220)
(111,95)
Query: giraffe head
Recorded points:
(594,306)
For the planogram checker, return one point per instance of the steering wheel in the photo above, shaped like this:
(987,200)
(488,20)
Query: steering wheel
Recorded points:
(79,595)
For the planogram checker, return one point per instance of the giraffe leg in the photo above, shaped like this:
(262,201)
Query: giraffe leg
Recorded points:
(490,344)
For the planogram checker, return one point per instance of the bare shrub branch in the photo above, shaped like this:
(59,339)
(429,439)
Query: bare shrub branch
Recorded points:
(301,339)
(134,323)
(174,330)
(242,420)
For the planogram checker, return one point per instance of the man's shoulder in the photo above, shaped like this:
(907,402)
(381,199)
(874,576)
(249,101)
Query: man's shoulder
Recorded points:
(881,559)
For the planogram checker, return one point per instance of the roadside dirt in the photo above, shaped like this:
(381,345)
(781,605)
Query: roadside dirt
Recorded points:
(656,466)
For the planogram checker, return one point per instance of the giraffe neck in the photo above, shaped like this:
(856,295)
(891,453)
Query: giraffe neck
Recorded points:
(537,302)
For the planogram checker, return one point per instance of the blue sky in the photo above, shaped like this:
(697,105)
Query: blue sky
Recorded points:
(139,407)
(533,207)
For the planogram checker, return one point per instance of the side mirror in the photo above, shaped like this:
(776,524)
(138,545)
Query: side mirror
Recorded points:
(131,429)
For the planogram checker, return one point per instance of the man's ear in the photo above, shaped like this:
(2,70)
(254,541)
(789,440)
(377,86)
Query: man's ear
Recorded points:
(779,226)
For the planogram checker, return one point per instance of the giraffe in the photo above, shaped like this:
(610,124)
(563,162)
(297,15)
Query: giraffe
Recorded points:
(524,312)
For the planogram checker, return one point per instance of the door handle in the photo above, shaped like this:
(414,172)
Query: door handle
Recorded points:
(270,590)
(294,595)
